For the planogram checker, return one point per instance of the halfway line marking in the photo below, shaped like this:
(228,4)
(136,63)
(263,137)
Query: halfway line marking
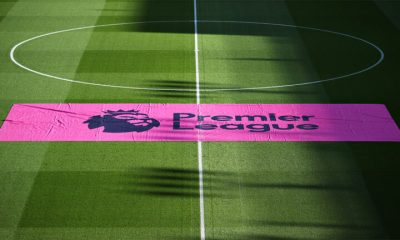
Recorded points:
(199,143)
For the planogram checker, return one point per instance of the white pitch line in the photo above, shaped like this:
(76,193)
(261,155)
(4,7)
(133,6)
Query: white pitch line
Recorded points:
(201,192)
(199,143)
(196,50)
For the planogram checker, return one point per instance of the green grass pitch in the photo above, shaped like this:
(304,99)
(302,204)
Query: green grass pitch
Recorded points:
(150,190)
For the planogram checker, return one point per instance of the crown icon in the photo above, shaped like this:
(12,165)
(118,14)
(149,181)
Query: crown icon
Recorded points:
(122,112)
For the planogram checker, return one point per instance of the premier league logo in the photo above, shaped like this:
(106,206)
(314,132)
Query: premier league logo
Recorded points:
(123,121)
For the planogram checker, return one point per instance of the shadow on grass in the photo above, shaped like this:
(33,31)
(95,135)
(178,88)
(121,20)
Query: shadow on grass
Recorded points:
(378,161)
(179,182)
(309,224)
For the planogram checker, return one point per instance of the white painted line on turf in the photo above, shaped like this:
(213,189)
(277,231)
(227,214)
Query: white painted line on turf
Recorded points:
(14,60)
(201,190)
(196,50)
(199,143)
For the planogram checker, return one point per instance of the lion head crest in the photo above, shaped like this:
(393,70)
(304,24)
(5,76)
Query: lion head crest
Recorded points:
(123,121)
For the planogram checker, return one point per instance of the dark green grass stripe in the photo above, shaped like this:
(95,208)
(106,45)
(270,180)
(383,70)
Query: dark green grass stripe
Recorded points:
(6,6)
(137,61)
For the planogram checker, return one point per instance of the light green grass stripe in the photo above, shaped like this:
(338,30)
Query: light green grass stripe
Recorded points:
(145,233)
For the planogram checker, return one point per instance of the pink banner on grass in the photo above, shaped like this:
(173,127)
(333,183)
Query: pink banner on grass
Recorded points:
(205,122)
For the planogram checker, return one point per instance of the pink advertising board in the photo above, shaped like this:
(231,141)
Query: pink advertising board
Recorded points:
(205,122)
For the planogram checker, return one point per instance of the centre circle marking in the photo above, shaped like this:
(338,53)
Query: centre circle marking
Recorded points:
(13,59)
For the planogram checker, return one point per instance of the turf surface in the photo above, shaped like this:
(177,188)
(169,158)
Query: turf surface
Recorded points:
(150,190)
